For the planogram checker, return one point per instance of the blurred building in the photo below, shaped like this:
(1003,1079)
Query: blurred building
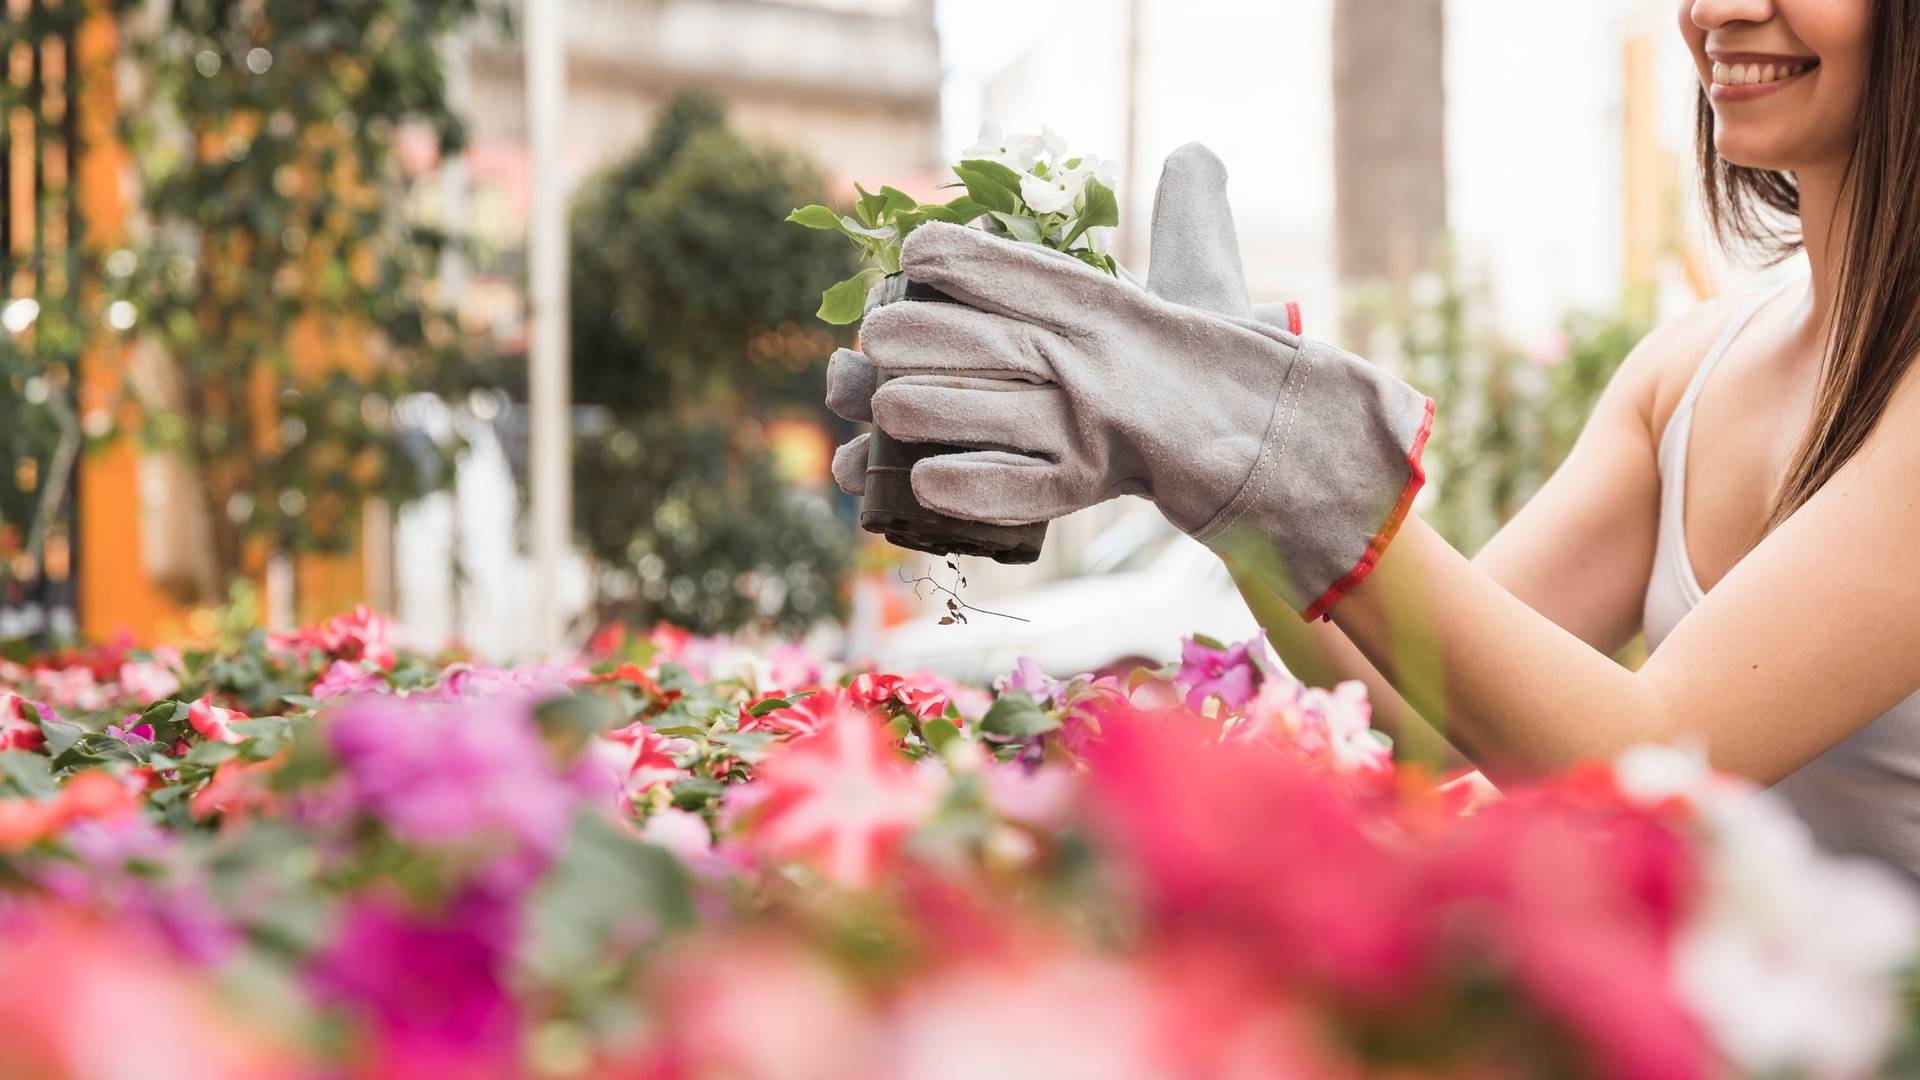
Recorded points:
(855,84)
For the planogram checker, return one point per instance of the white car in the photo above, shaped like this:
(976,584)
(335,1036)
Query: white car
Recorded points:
(1139,588)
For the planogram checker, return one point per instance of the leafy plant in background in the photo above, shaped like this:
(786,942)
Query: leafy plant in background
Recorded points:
(1509,415)
(1023,187)
(51,310)
(286,293)
(691,325)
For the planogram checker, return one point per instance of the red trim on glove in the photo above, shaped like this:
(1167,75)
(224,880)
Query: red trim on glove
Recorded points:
(1293,317)
(1417,477)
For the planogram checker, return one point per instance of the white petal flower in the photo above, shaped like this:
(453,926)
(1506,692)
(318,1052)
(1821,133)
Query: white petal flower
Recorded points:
(1052,144)
(990,143)
(1045,197)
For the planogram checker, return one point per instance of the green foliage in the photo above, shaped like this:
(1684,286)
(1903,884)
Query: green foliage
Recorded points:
(694,527)
(279,258)
(1507,416)
(683,279)
(691,320)
(881,222)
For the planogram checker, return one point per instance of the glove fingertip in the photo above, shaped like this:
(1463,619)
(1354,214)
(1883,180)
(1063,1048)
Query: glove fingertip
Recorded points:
(850,465)
(851,380)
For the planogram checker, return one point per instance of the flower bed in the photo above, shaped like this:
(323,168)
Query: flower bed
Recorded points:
(314,855)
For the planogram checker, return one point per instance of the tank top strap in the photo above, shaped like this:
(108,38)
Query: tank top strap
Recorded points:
(1712,359)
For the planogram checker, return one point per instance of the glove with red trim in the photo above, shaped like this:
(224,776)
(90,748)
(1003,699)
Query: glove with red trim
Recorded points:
(1282,453)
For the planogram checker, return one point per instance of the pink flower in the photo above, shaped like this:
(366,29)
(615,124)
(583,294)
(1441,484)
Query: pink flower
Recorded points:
(924,695)
(20,728)
(842,799)
(60,974)
(1231,674)
(805,716)
(345,679)
(641,758)
(430,988)
(1331,729)
(214,722)
(149,681)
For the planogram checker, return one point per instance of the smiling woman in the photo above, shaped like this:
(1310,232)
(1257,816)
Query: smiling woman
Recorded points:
(1791,421)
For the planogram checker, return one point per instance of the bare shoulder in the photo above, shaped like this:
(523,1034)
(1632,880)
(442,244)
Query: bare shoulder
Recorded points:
(1655,374)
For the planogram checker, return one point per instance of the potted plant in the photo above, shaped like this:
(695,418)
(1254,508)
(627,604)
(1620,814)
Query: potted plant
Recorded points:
(1026,189)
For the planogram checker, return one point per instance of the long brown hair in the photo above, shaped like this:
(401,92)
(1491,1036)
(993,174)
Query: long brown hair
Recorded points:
(1876,319)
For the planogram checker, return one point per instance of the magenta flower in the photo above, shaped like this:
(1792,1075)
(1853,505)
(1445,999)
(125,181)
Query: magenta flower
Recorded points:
(1232,674)
(430,989)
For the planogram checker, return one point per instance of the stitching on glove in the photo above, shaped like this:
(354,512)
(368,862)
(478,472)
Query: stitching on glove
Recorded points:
(1322,607)
(1284,416)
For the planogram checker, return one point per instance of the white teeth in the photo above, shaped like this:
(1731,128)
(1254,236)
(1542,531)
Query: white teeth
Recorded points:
(1748,74)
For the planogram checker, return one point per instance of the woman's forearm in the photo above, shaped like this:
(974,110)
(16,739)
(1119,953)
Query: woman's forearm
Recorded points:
(1516,693)
(1319,654)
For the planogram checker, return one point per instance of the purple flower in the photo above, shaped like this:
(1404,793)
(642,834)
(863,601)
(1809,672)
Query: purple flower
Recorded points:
(430,988)
(1232,674)
(134,735)
(349,680)
(444,774)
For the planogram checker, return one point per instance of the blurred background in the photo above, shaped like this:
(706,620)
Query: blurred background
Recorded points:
(268,329)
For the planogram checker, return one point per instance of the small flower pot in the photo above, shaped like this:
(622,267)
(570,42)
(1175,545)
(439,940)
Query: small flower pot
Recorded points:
(890,508)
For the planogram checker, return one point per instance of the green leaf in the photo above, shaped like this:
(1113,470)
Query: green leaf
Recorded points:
(985,187)
(748,746)
(695,792)
(869,207)
(61,735)
(895,201)
(601,880)
(816,217)
(1017,716)
(845,302)
(878,232)
(961,211)
(1213,643)
(769,705)
(1100,209)
(210,753)
(29,774)
(1004,175)
(1024,229)
(939,731)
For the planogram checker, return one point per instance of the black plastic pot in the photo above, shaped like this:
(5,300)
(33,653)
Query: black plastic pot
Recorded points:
(890,508)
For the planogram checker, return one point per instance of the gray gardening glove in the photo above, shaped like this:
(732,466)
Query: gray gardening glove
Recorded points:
(1196,261)
(1284,454)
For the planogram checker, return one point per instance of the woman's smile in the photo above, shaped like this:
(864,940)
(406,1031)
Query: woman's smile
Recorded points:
(1745,76)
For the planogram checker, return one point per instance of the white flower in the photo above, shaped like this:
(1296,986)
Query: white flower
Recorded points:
(1048,196)
(1792,958)
(1016,152)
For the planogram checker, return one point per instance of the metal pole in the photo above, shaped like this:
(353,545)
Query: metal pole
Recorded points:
(1132,233)
(548,398)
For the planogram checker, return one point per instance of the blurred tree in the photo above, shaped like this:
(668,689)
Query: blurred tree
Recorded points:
(1389,142)
(692,321)
(50,310)
(284,289)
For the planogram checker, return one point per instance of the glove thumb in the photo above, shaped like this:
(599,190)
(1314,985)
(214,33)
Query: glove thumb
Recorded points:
(1196,253)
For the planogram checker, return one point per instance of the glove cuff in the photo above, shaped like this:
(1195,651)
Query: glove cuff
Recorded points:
(1337,473)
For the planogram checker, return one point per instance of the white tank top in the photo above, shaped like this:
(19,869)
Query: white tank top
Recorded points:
(1860,797)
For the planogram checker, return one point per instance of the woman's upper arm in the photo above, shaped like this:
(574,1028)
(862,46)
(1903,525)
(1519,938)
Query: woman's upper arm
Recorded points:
(1817,630)
(1581,551)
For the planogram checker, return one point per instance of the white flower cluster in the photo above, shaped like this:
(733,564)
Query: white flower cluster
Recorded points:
(1793,959)
(1051,180)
